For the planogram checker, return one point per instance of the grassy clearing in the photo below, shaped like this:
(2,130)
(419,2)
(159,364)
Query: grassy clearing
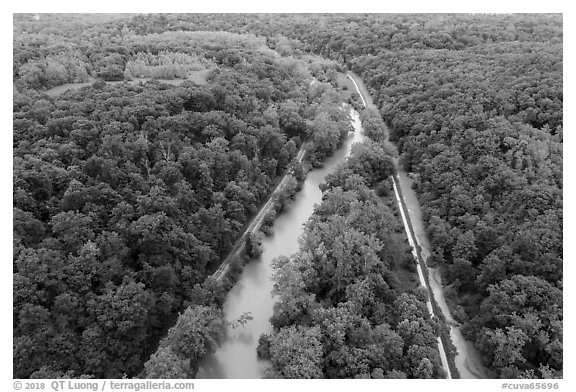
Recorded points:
(197,77)
(55,91)
(346,85)
(406,270)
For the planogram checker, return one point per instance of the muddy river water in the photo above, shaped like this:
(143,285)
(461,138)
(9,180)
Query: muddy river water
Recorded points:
(236,357)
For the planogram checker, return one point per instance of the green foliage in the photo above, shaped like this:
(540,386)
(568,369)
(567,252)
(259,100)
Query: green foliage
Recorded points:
(128,195)
(263,349)
(195,334)
(139,189)
(165,364)
(165,65)
(521,316)
(330,126)
(373,125)
(286,194)
(475,105)
(296,352)
(241,321)
(340,313)
(372,162)
(253,245)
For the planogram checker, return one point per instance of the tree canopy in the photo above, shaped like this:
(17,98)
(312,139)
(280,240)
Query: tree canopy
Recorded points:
(132,185)
(143,144)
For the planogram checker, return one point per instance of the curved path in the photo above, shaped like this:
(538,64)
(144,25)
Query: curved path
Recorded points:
(409,233)
(468,360)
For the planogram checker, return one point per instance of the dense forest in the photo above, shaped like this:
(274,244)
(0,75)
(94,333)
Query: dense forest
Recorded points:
(128,195)
(478,119)
(475,105)
(344,310)
(130,188)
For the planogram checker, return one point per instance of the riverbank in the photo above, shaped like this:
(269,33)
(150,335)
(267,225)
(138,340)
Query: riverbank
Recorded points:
(466,360)
(255,223)
(237,357)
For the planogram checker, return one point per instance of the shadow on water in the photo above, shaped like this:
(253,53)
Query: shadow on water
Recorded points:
(211,367)
(242,337)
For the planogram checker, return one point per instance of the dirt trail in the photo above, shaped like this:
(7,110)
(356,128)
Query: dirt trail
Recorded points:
(468,360)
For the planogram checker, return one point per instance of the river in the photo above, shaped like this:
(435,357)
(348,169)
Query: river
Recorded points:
(236,357)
